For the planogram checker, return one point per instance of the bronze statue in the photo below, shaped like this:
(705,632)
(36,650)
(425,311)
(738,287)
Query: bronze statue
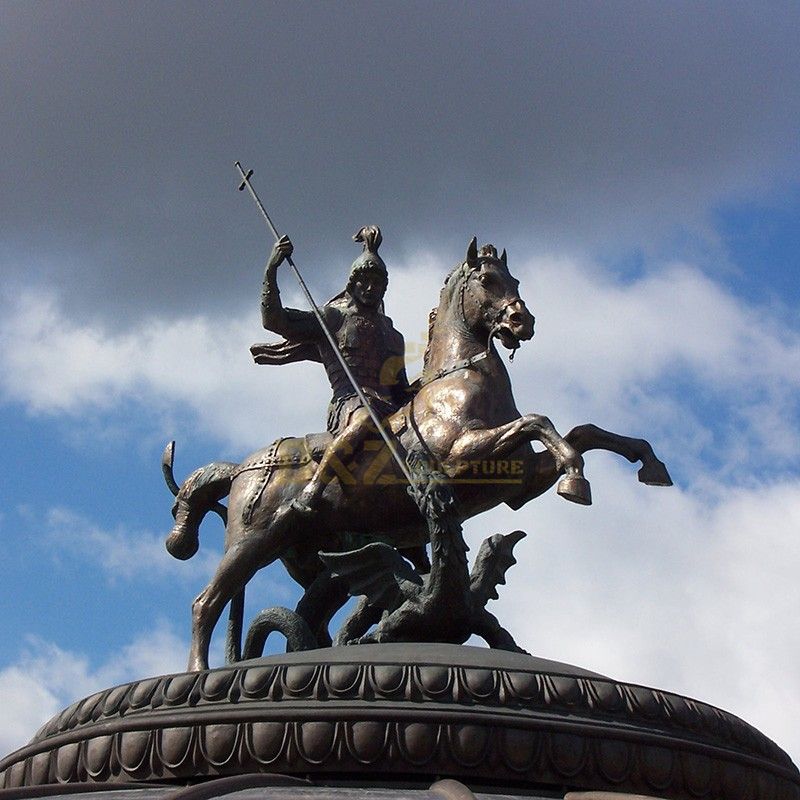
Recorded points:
(448,603)
(463,414)
(365,336)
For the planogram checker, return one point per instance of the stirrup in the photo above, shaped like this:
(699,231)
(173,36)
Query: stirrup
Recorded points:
(302,508)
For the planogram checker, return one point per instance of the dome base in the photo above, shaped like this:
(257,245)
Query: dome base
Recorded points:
(379,714)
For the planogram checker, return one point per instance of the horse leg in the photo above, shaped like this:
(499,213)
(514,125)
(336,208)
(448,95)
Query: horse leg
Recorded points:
(250,551)
(483,443)
(653,471)
(493,442)
(233,635)
(573,486)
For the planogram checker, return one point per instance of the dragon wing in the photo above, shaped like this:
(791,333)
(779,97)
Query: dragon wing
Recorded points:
(491,564)
(377,571)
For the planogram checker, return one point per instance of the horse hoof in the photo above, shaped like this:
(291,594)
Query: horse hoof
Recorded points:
(655,473)
(576,489)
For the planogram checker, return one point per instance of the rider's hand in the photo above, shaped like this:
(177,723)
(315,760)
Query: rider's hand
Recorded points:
(281,251)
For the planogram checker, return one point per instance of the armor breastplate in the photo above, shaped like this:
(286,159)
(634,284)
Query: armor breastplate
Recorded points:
(366,341)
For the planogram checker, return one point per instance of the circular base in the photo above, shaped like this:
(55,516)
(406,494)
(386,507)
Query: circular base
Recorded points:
(382,713)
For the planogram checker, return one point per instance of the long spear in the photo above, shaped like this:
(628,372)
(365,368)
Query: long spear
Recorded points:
(328,335)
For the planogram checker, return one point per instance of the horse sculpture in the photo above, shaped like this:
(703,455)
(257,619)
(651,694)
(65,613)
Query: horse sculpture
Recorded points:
(463,414)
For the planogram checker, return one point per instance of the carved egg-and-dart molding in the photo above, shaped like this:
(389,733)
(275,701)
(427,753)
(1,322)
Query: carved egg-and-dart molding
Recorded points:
(378,711)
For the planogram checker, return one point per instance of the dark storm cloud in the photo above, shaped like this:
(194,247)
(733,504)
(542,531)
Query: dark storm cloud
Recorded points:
(578,126)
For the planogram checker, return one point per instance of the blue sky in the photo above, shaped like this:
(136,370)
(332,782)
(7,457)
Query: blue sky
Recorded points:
(641,164)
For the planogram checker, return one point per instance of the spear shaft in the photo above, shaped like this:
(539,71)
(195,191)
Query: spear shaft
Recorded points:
(326,331)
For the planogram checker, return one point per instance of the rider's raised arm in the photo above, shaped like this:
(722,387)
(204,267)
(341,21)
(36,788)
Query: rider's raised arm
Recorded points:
(288,322)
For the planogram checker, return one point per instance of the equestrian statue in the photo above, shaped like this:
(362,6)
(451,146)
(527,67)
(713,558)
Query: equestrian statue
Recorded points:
(356,509)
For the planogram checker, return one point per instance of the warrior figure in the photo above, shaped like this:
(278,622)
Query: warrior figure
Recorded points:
(371,347)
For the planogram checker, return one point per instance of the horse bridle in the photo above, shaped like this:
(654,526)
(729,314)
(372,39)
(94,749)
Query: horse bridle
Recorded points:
(495,319)
(466,273)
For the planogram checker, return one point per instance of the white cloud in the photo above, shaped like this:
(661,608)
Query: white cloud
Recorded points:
(694,591)
(47,678)
(27,703)
(199,365)
(122,554)
(672,316)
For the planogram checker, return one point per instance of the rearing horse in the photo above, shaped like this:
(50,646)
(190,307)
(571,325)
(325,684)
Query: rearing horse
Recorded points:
(463,414)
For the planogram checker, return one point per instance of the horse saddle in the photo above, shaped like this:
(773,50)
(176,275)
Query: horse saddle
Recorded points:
(316,444)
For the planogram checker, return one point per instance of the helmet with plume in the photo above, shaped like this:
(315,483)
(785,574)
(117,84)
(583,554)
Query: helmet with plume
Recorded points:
(369,260)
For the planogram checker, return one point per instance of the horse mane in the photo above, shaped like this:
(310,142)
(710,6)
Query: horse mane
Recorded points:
(431,323)
(435,311)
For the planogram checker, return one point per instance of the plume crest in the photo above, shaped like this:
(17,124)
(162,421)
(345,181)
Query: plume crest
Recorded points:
(371,236)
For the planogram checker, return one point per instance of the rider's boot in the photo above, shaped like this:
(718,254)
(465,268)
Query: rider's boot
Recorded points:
(307,501)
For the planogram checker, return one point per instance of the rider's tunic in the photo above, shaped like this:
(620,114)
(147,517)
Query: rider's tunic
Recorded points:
(372,348)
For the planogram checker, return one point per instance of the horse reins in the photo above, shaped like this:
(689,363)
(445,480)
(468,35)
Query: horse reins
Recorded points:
(496,318)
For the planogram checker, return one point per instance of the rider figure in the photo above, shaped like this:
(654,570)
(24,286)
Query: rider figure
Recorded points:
(371,347)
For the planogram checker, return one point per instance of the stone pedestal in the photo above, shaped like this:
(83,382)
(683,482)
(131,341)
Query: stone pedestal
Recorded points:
(385,714)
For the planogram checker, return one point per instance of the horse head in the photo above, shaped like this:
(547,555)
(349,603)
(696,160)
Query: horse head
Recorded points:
(489,298)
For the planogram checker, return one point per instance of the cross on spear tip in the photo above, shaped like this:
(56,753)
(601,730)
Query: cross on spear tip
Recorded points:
(246,177)
(328,335)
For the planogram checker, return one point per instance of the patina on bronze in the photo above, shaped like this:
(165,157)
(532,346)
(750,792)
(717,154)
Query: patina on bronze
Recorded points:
(463,412)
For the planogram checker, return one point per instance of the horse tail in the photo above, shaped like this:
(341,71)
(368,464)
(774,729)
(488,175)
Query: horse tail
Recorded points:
(199,494)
